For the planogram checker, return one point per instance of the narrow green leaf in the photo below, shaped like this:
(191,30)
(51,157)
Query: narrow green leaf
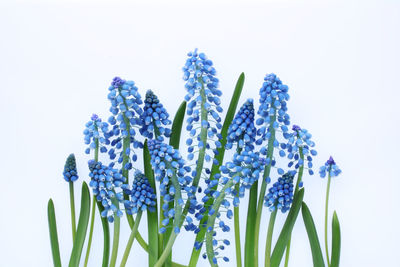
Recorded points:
(335,258)
(106,236)
(55,250)
(287,228)
(177,126)
(152,217)
(316,251)
(82,227)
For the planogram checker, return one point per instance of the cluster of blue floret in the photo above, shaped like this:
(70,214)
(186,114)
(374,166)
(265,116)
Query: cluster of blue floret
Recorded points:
(203,104)
(141,194)
(154,117)
(331,168)
(280,195)
(70,173)
(107,185)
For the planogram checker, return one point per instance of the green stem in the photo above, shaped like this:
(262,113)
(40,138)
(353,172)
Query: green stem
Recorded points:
(270,232)
(131,238)
(90,231)
(296,189)
(237,232)
(114,252)
(72,202)
(211,222)
(326,220)
(263,188)
(96,158)
(177,222)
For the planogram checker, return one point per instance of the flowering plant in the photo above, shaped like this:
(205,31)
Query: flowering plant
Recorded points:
(200,191)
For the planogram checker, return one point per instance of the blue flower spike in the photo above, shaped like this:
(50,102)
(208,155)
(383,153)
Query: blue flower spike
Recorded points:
(330,167)
(168,164)
(273,108)
(280,195)
(204,106)
(141,194)
(300,149)
(70,173)
(154,117)
(242,130)
(244,170)
(107,185)
(96,134)
(126,112)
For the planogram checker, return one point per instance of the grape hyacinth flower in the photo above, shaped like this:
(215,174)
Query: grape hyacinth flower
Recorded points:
(245,169)
(273,108)
(280,195)
(330,167)
(170,171)
(141,194)
(96,134)
(126,111)
(242,130)
(154,117)
(107,184)
(299,149)
(70,173)
(203,107)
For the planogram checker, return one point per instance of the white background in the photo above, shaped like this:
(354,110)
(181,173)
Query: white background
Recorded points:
(340,60)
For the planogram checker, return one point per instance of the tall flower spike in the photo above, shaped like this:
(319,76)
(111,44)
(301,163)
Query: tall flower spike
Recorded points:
(242,130)
(96,134)
(141,194)
(330,167)
(280,195)
(244,170)
(273,108)
(70,173)
(154,117)
(203,105)
(168,163)
(107,185)
(126,111)
(298,139)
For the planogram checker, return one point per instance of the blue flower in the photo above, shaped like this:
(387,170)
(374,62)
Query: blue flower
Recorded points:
(154,117)
(96,134)
(280,195)
(330,167)
(204,104)
(299,139)
(242,130)
(167,162)
(70,173)
(126,111)
(141,194)
(107,185)
(244,169)
(273,108)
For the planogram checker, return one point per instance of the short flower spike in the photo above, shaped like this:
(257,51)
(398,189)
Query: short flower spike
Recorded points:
(70,173)
(330,167)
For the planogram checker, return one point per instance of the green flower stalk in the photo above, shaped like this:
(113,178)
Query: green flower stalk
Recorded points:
(71,175)
(332,170)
